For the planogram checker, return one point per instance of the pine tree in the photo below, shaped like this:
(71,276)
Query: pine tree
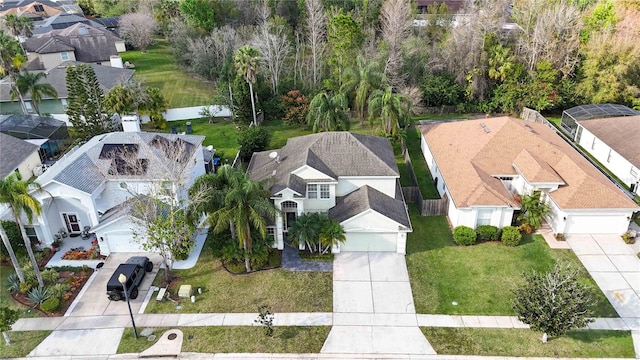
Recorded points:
(85,103)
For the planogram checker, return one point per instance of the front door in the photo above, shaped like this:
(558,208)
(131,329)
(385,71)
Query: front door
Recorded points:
(72,223)
(290,218)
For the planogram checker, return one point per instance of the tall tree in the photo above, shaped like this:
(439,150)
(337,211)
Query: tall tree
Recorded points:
(316,30)
(15,194)
(391,108)
(199,14)
(274,46)
(12,255)
(19,25)
(31,82)
(247,205)
(246,62)
(138,29)
(397,20)
(345,39)
(553,302)
(327,113)
(11,61)
(360,81)
(86,109)
(8,317)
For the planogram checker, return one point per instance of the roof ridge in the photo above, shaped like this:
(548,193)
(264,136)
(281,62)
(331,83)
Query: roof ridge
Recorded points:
(353,135)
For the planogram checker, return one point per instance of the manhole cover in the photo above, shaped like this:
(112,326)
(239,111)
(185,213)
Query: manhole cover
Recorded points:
(172,336)
(146,332)
(151,337)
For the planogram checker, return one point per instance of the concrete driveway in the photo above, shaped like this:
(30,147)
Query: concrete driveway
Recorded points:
(93,301)
(373,307)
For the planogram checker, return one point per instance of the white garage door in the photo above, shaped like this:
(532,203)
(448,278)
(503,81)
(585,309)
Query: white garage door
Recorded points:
(122,242)
(370,242)
(594,224)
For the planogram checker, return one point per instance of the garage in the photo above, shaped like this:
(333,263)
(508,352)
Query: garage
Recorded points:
(118,242)
(596,224)
(370,241)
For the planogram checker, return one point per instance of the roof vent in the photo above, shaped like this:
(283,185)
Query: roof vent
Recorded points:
(485,127)
(528,127)
(274,155)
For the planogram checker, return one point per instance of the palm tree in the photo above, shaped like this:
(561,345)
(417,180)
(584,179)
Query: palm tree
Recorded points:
(12,254)
(15,193)
(29,82)
(362,80)
(11,61)
(392,108)
(246,62)
(305,230)
(19,25)
(327,113)
(247,205)
(534,210)
(331,233)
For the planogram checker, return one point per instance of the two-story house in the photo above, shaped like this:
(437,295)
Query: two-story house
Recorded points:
(91,186)
(351,177)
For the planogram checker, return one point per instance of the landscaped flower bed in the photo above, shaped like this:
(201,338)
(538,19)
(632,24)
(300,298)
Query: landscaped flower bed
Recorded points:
(81,254)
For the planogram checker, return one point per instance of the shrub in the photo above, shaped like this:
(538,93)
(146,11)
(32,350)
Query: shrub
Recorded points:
(38,295)
(50,305)
(629,237)
(217,241)
(58,290)
(296,107)
(560,237)
(15,239)
(488,233)
(46,251)
(13,283)
(252,140)
(464,235)
(50,276)
(511,236)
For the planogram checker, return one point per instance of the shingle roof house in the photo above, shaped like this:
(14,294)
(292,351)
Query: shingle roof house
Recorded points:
(79,42)
(481,164)
(17,155)
(98,177)
(614,142)
(352,177)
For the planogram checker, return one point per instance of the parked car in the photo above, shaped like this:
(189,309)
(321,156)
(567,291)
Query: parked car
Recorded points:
(134,269)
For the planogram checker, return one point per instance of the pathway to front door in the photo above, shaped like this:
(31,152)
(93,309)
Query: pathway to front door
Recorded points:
(373,311)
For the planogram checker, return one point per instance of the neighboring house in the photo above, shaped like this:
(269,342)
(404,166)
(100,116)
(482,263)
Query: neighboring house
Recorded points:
(91,186)
(18,156)
(107,76)
(48,133)
(34,9)
(62,21)
(481,164)
(611,134)
(351,177)
(79,42)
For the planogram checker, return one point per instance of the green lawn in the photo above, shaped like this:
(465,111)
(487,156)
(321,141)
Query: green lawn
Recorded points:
(22,343)
(237,339)
(526,343)
(158,68)
(425,181)
(5,296)
(480,278)
(282,291)
(556,120)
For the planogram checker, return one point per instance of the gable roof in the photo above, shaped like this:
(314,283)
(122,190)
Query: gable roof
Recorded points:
(88,43)
(107,77)
(90,165)
(13,152)
(622,134)
(470,157)
(365,198)
(335,154)
(61,21)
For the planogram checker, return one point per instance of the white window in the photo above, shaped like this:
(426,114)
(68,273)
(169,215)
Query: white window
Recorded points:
(324,191)
(609,156)
(29,107)
(64,56)
(31,234)
(484,217)
(633,172)
(65,104)
(312,191)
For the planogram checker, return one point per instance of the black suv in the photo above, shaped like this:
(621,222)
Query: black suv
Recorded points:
(134,269)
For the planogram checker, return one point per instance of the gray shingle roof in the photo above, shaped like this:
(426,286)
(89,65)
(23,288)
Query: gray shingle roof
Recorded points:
(85,170)
(13,152)
(366,198)
(107,77)
(332,153)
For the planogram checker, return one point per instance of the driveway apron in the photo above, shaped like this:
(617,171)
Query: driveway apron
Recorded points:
(373,307)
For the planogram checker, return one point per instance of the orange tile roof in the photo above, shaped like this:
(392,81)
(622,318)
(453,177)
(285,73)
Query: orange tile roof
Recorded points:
(470,155)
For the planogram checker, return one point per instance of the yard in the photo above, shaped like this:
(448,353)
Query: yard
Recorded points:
(526,343)
(280,290)
(158,68)
(478,278)
(237,339)
(425,181)
(5,296)
(23,343)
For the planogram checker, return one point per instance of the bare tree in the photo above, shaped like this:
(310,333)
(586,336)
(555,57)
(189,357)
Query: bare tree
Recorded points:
(316,32)
(550,32)
(138,29)
(396,18)
(463,53)
(274,46)
(208,54)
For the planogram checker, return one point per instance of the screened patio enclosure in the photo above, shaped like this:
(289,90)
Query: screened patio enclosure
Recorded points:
(33,127)
(589,112)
